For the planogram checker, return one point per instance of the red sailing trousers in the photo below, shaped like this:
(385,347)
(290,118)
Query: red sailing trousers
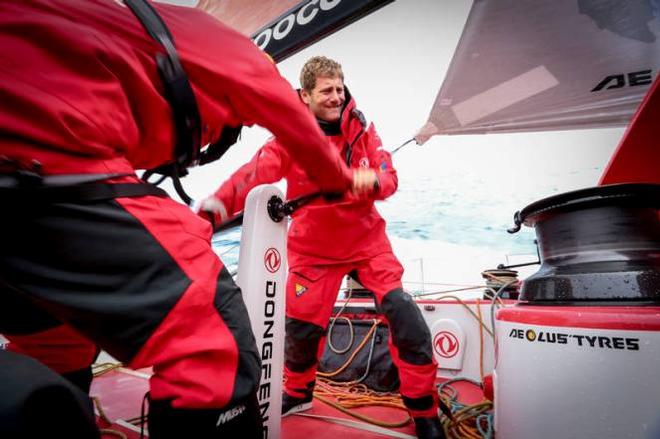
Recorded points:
(138,277)
(311,295)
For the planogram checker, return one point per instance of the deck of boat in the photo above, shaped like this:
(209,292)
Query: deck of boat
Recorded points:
(119,394)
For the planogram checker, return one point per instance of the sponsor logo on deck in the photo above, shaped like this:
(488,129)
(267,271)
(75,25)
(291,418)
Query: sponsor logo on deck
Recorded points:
(229,415)
(580,340)
(272,260)
(446,344)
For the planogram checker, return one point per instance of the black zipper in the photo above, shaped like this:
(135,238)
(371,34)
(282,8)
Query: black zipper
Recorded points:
(349,148)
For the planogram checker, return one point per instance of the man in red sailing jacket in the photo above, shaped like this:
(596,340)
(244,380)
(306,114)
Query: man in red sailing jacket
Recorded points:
(327,240)
(88,254)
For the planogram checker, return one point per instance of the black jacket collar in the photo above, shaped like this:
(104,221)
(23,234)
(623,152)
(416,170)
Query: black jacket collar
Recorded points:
(330,128)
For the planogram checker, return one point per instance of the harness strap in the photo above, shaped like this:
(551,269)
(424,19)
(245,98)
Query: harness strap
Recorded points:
(178,91)
(20,178)
(80,193)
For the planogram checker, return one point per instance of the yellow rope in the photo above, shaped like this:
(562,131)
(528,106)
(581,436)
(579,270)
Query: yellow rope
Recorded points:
(103,368)
(99,408)
(350,396)
(503,280)
(464,423)
(104,418)
(467,307)
(481,343)
(355,352)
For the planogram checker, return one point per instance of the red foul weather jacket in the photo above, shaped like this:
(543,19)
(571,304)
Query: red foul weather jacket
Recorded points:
(324,232)
(107,114)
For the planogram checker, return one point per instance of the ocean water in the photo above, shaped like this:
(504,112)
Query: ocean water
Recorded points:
(458,209)
(466,211)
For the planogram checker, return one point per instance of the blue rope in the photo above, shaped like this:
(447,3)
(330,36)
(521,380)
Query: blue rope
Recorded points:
(483,421)
(485,418)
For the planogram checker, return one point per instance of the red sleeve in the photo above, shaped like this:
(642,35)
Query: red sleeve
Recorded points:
(268,165)
(235,82)
(381,162)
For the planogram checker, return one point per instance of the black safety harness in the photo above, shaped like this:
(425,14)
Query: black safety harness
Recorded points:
(188,150)
(179,94)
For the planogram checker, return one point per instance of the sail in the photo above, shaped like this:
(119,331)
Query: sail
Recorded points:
(246,16)
(283,27)
(530,65)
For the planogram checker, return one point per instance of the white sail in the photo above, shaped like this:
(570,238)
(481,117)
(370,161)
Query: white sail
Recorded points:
(531,65)
(246,16)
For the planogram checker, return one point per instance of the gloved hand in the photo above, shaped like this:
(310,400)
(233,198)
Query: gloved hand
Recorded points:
(212,209)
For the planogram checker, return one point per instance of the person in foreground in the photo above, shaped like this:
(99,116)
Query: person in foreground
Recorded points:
(329,239)
(91,255)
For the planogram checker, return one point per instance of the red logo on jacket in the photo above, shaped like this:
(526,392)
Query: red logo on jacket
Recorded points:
(272,260)
(445,344)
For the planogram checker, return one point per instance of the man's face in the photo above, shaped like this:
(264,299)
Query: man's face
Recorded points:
(326,99)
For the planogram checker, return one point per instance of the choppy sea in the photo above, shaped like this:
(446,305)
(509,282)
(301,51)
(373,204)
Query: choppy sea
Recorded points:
(457,208)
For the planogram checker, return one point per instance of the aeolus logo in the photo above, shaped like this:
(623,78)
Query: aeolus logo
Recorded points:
(581,340)
(620,80)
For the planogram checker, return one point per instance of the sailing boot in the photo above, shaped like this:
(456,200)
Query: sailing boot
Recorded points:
(429,428)
(296,404)
(82,378)
(241,419)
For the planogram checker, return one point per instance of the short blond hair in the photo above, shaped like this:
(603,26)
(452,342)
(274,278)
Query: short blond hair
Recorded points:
(319,66)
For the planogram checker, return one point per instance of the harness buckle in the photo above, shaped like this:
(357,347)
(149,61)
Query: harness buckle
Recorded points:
(26,176)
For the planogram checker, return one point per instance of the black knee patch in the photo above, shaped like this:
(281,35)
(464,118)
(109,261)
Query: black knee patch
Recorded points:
(82,378)
(239,419)
(37,402)
(19,316)
(301,344)
(409,331)
(231,307)
(421,403)
(74,268)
